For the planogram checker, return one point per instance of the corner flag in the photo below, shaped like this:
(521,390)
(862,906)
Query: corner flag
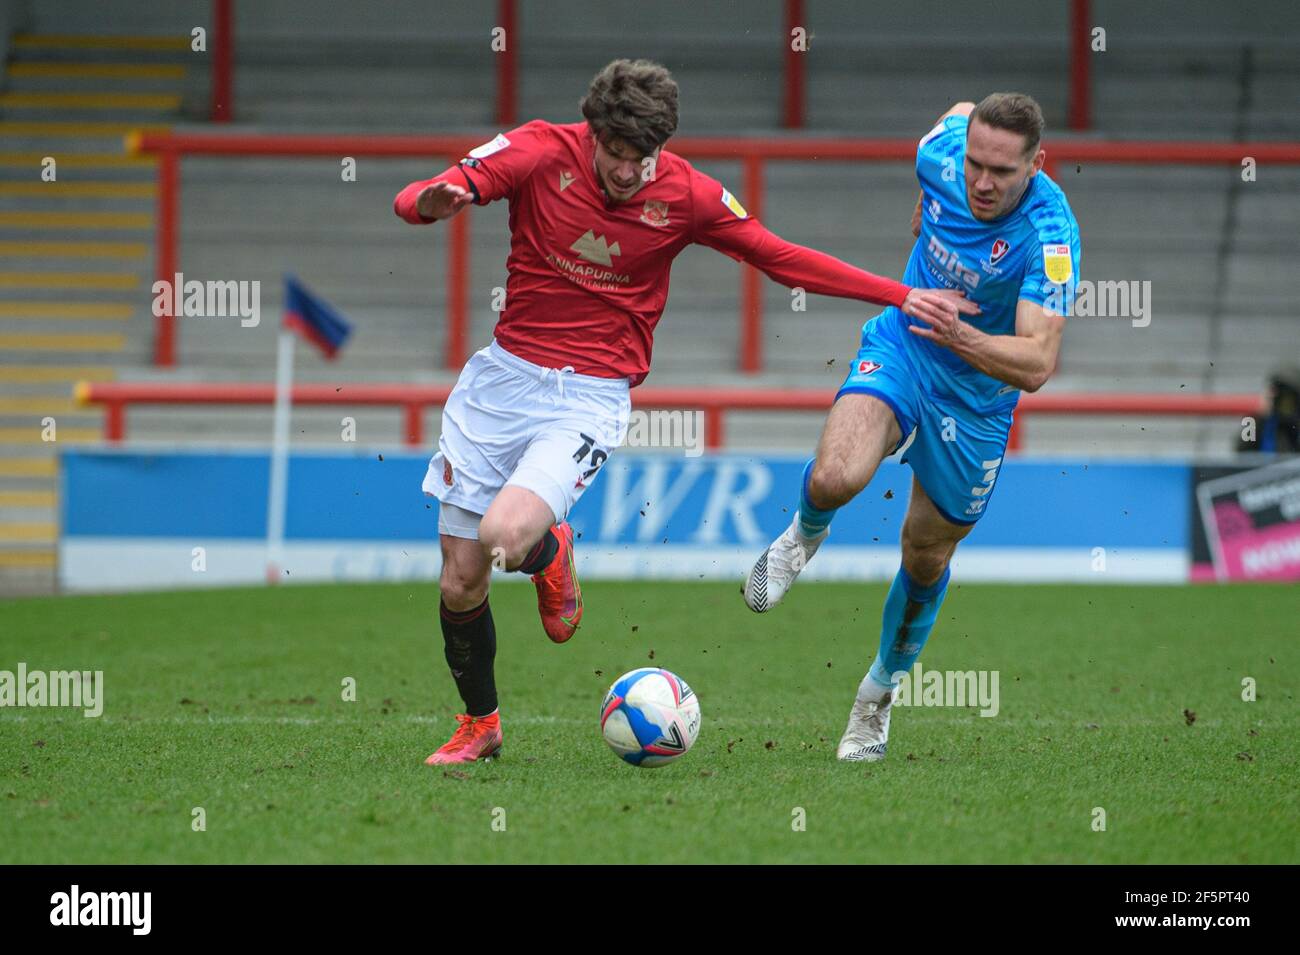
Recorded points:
(313,319)
(325,328)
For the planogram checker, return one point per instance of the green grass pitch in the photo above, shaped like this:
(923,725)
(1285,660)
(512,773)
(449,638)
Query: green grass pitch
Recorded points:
(231,700)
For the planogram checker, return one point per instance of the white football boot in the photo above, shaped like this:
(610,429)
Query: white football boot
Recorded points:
(867,734)
(778,566)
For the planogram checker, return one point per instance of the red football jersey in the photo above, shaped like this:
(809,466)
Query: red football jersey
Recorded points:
(588,277)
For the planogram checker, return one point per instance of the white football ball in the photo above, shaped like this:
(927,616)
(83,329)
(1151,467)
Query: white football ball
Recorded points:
(650,717)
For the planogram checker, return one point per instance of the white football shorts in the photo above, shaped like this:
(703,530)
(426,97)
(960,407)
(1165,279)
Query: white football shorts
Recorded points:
(509,421)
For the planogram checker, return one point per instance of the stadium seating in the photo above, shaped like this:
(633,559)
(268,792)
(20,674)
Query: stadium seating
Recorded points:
(1216,249)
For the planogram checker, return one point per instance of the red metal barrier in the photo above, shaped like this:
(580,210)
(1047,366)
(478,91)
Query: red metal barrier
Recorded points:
(1080,104)
(1158,405)
(413,400)
(223,42)
(165,246)
(456,352)
(751,152)
(751,284)
(507,63)
(793,95)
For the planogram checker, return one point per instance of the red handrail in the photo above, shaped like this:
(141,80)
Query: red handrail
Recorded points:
(752,152)
(223,42)
(793,96)
(1080,101)
(1138,152)
(116,397)
(1155,405)
(507,63)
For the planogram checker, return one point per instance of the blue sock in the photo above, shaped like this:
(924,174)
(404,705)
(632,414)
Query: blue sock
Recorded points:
(910,613)
(812,520)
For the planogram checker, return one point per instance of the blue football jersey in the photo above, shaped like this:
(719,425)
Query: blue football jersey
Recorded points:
(1030,253)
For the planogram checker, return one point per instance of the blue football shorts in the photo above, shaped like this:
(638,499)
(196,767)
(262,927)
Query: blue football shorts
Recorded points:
(956,452)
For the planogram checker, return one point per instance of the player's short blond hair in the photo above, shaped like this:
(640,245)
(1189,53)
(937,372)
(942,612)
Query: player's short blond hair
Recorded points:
(1016,112)
(635,101)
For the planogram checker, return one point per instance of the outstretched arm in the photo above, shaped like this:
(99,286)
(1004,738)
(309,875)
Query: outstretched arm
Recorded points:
(489,172)
(1026,359)
(797,266)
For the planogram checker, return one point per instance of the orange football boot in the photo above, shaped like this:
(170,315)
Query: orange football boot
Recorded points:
(559,598)
(477,737)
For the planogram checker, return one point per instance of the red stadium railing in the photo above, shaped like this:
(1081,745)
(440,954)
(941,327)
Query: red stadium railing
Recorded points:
(222,108)
(793,72)
(507,63)
(414,400)
(751,152)
(1079,107)
(794,83)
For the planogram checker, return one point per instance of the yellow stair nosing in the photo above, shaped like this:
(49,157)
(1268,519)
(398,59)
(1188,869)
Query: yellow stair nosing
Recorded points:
(126,221)
(42,498)
(42,557)
(67,310)
(65,100)
(25,341)
(69,280)
(29,374)
(90,249)
(77,128)
(42,531)
(106,189)
(137,71)
(33,434)
(42,405)
(76,160)
(80,41)
(29,467)
(76,220)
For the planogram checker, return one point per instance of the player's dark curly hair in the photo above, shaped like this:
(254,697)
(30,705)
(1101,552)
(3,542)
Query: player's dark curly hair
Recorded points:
(1016,112)
(635,101)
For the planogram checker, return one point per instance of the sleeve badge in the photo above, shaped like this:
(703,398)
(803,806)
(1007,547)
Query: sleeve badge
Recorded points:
(487,149)
(1057,264)
(732,203)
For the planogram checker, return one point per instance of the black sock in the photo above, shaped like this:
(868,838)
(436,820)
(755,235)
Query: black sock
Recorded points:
(540,557)
(471,647)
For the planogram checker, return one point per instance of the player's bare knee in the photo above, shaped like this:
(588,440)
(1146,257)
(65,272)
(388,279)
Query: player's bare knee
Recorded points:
(926,567)
(925,560)
(829,486)
(503,543)
(493,536)
(461,591)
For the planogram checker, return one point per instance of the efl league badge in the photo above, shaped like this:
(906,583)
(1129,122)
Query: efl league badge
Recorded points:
(1057,264)
(655,213)
(446,472)
(1000,248)
(867,366)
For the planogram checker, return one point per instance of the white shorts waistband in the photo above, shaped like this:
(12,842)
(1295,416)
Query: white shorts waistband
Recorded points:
(571,379)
